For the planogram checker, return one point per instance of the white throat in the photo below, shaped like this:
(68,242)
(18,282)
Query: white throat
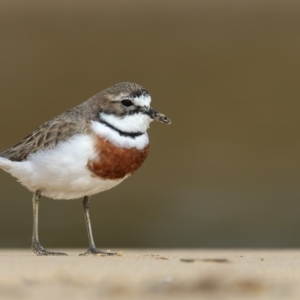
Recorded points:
(130,123)
(139,142)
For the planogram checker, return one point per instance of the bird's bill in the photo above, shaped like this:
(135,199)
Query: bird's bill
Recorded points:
(156,115)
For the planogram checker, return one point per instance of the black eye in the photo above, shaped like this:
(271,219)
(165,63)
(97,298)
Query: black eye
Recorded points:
(127,102)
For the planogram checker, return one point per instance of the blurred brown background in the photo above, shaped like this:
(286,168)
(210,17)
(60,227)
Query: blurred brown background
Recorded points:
(226,173)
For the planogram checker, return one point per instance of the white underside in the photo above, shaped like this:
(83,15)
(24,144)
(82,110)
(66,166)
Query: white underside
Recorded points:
(61,173)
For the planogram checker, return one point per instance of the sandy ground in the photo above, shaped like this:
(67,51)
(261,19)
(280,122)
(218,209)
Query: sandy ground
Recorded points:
(148,274)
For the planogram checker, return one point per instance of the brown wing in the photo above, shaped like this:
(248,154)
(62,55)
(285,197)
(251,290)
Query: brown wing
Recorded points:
(48,135)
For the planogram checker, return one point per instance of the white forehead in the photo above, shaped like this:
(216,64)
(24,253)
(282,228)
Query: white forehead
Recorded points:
(143,100)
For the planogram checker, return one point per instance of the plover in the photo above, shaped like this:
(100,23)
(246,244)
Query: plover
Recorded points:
(84,151)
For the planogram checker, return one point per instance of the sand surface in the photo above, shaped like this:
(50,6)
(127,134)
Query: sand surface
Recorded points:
(148,274)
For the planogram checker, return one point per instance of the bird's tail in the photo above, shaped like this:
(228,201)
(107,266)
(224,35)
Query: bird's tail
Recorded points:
(5,164)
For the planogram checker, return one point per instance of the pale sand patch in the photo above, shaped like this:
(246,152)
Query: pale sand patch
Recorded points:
(148,274)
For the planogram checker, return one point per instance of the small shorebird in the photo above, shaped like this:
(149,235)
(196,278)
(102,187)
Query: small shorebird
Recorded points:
(86,150)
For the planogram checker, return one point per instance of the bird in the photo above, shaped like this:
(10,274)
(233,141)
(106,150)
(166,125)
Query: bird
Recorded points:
(84,151)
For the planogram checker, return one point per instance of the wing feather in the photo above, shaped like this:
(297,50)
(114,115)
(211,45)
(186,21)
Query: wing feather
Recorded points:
(48,135)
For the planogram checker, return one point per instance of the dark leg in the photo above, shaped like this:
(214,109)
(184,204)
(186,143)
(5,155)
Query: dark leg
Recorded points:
(36,246)
(92,248)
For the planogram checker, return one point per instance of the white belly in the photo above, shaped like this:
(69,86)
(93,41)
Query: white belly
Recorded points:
(61,173)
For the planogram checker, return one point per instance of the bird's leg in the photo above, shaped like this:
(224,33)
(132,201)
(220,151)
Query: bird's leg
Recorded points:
(92,248)
(36,246)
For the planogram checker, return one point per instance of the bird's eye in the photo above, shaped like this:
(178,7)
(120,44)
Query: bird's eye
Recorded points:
(127,102)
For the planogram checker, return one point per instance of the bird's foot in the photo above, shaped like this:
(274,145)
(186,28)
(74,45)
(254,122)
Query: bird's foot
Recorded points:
(95,251)
(41,251)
